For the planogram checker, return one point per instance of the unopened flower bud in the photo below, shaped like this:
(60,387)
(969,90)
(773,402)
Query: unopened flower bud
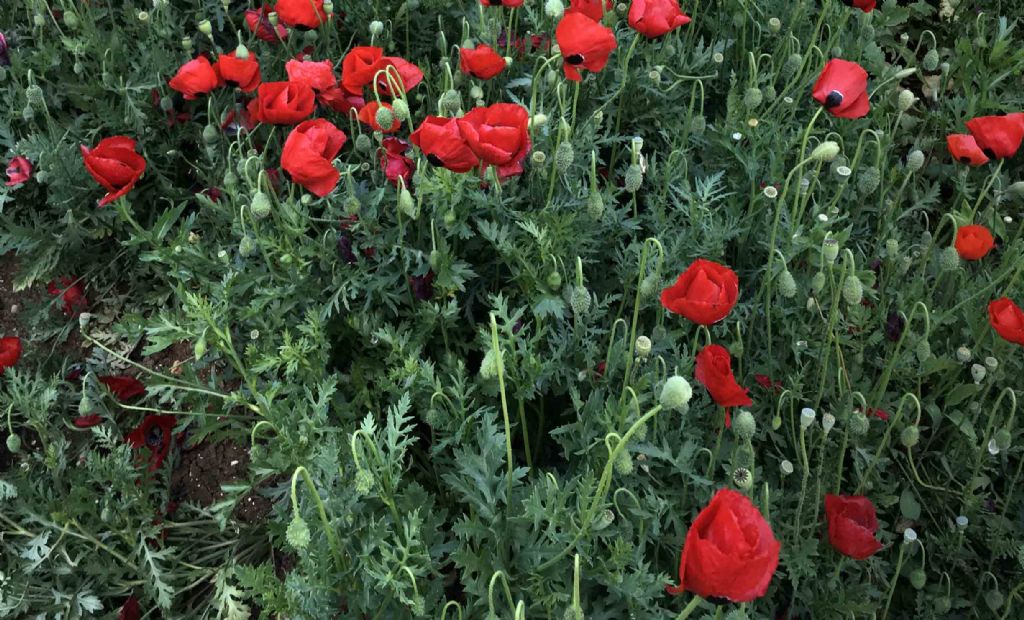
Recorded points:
(918,578)
(787,285)
(595,205)
(564,156)
(405,203)
(892,248)
(906,99)
(853,290)
(826,151)
(698,124)
(868,181)
(818,282)
(34,95)
(752,98)
(13,443)
(624,463)
(363,143)
(915,160)
(297,533)
(923,351)
(554,9)
(579,300)
(451,101)
(859,424)
(949,259)
(210,134)
(930,62)
(791,66)
(260,207)
(400,109)
(634,178)
(384,118)
(744,425)
(910,436)
(676,393)
(643,346)
(1003,439)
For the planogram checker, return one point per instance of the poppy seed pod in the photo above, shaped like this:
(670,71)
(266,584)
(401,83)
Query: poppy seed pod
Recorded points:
(828,422)
(786,467)
(787,285)
(807,416)
(859,424)
(915,160)
(538,157)
(910,436)
(949,259)
(892,248)
(752,98)
(564,156)
(978,373)
(744,425)
(991,364)
(206,27)
(963,355)
(475,92)
(742,478)
(774,25)
(825,152)
(830,250)
(853,290)
(634,178)
(676,394)
(297,533)
(868,181)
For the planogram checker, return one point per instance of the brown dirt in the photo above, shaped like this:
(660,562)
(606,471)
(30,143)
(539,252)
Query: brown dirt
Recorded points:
(201,472)
(13,304)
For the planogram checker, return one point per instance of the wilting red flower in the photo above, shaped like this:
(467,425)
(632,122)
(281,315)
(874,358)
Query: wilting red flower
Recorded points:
(409,75)
(865,5)
(317,75)
(115,165)
(482,63)
(842,88)
(359,67)
(245,74)
(998,136)
(259,24)
(526,43)
(1007,319)
(704,293)
(852,525)
(123,387)
(368,115)
(584,43)
(730,551)
(308,152)
(153,433)
(964,148)
(305,14)
(72,294)
(394,162)
(498,135)
(655,18)
(88,421)
(19,170)
(282,103)
(442,142)
(714,371)
(594,9)
(509,4)
(422,286)
(973,242)
(195,77)
(130,610)
(340,100)
(10,352)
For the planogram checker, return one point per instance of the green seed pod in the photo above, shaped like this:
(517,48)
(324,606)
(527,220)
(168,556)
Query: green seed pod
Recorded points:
(595,205)
(923,351)
(210,134)
(297,533)
(859,424)
(825,152)
(752,98)
(853,290)
(573,613)
(892,248)
(791,66)
(85,406)
(918,578)
(787,285)
(818,282)
(13,443)
(624,463)
(554,280)
(564,156)
(579,300)
(915,160)
(38,20)
(742,478)
(634,178)
(310,36)
(744,425)
(643,346)
(930,62)
(400,109)
(676,394)
(830,250)
(385,118)
(260,207)
(364,143)
(910,436)
(949,260)
(774,25)
(363,482)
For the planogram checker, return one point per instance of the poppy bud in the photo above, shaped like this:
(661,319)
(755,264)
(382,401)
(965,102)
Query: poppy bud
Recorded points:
(1003,439)
(624,463)
(915,160)
(859,424)
(246,247)
(676,394)
(242,52)
(13,443)
(206,27)
(923,350)
(853,290)
(564,156)
(297,533)
(538,157)
(752,98)
(400,109)
(604,519)
(769,93)
(38,20)
(1016,189)
(572,613)
(774,25)
(384,117)
(906,100)
(376,28)
(648,287)
(994,599)
(742,478)
(791,66)
(273,18)
(363,482)
(328,7)
(230,179)
(405,202)
(554,280)
(918,578)
(807,416)
(579,300)
(595,205)
(818,282)
(363,143)
(34,95)
(826,151)
(489,365)
(949,259)
(828,422)
(210,134)
(910,436)
(643,346)
(310,36)
(451,102)
(450,218)
(554,9)
(260,207)
(698,124)
(868,181)
(830,250)
(475,92)
(71,20)
(634,178)
(787,285)
(930,62)
(942,605)
(892,248)
(744,425)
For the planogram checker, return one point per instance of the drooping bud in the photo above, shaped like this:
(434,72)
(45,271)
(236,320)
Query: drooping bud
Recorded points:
(915,160)
(363,143)
(400,109)
(643,346)
(910,436)
(752,98)
(930,62)
(906,99)
(828,422)
(853,290)
(859,424)
(624,463)
(868,181)
(13,443)
(949,259)
(818,282)
(1003,439)
(260,207)
(676,394)
(918,578)
(825,152)
(297,533)
(210,134)
(384,117)
(405,202)
(791,66)
(595,205)
(923,351)
(579,300)
(787,285)
(451,101)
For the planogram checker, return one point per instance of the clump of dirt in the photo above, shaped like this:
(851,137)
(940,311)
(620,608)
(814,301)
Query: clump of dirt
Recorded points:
(201,472)
(12,303)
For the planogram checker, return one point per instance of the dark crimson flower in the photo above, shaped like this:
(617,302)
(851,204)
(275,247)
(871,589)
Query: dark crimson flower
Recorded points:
(5,57)
(359,67)
(317,75)
(88,421)
(894,325)
(130,610)
(1007,319)
(123,387)
(245,74)
(881,414)
(238,122)
(153,433)
(584,43)
(767,383)
(115,165)
(510,4)
(482,62)
(730,551)
(973,242)
(307,14)
(600,369)
(19,170)
(195,77)
(394,162)
(842,88)
(714,371)
(368,116)
(10,352)
(340,100)
(308,153)
(259,24)
(964,148)
(594,9)
(282,103)
(655,18)
(71,293)
(408,75)
(498,135)
(852,525)
(865,5)
(704,293)
(441,141)
(345,249)
(422,286)
(998,136)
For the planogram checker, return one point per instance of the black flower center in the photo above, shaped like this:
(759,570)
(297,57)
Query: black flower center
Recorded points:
(435,160)
(833,99)
(155,437)
(575,59)
(989,153)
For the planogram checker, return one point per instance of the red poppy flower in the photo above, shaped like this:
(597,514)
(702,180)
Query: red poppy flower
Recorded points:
(584,43)
(123,387)
(130,610)
(259,24)
(115,165)
(1007,319)
(483,63)
(368,116)
(245,74)
(153,433)
(19,170)
(973,242)
(704,293)
(498,135)
(714,371)
(509,4)
(842,88)
(395,163)
(998,136)
(359,67)
(195,77)
(282,103)
(852,525)
(655,18)
(71,292)
(317,75)
(307,14)
(308,152)
(409,75)
(594,9)
(88,421)
(10,352)
(442,142)
(730,551)
(865,5)
(964,148)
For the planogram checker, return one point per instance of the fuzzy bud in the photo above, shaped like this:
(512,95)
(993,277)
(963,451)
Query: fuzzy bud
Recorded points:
(818,282)
(923,351)
(634,178)
(246,247)
(260,207)
(554,280)
(363,143)
(624,463)
(564,156)
(405,203)
(752,98)
(918,578)
(210,134)
(1003,439)
(676,394)
(949,259)
(451,102)
(643,346)
(915,160)
(489,365)
(384,117)
(826,151)
(579,300)
(297,533)
(376,28)
(853,290)
(363,482)
(868,181)
(554,9)
(906,100)
(910,436)
(595,205)
(34,95)
(744,425)
(698,124)
(791,66)
(892,248)
(930,62)
(859,424)
(400,109)
(13,443)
